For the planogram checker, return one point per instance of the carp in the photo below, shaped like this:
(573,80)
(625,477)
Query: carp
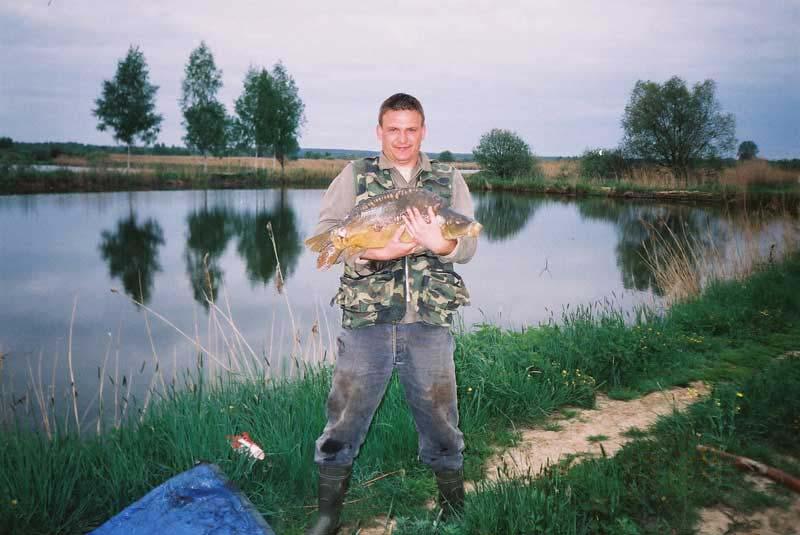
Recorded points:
(373,222)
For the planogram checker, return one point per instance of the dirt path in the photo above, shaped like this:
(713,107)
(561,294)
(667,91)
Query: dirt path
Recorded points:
(581,432)
(772,521)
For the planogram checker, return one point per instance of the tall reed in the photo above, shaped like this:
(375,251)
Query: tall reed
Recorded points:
(684,264)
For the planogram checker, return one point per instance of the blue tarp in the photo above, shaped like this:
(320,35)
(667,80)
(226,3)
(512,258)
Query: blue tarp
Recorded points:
(198,501)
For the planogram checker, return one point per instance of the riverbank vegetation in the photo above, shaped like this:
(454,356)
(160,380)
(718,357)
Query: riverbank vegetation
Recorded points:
(739,335)
(736,181)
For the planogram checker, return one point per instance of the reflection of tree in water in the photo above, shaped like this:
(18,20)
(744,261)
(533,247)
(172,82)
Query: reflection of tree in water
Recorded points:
(504,215)
(132,254)
(207,236)
(255,247)
(651,229)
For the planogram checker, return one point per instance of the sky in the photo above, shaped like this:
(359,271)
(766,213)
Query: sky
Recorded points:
(558,73)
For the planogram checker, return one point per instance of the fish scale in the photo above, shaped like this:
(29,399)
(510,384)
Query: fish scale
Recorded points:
(373,222)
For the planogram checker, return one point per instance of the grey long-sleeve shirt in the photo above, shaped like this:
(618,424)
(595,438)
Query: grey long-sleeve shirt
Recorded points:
(340,198)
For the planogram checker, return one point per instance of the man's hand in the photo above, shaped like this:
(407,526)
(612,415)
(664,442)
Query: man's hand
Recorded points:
(394,248)
(427,233)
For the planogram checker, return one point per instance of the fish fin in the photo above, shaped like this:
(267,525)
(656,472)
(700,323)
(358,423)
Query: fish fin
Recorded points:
(328,256)
(319,242)
(352,251)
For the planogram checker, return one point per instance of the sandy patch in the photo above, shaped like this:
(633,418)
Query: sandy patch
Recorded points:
(378,526)
(773,521)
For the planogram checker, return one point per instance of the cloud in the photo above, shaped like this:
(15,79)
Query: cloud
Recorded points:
(559,73)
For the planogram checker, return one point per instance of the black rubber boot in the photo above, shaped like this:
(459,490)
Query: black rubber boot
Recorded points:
(451,491)
(333,482)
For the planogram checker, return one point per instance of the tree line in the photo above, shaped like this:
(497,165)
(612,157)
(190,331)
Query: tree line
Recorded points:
(268,116)
(666,124)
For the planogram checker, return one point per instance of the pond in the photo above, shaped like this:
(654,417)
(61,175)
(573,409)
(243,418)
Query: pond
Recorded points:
(63,254)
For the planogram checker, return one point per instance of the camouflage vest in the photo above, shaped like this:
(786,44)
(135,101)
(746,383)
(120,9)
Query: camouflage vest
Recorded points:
(380,293)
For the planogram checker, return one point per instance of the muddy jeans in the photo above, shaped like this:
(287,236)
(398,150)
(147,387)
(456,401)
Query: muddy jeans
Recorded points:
(423,357)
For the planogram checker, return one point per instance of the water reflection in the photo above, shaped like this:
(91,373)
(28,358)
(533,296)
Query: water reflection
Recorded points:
(255,247)
(651,231)
(210,230)
(504,215)
(208,233)
(132,254)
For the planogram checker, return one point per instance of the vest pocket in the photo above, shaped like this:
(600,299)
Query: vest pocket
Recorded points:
(444,290)
(371,293)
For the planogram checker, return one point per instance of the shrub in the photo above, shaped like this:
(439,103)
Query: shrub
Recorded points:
(504,153)
(446,156)
(603,163)
(747,150)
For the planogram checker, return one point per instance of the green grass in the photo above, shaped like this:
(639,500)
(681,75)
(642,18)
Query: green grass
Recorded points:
(658,482)
(507,380)
(634,432)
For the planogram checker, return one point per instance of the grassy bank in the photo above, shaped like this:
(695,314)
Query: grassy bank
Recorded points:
(575,186)
(658,482)
(746,181)
(506,380)
(26,179)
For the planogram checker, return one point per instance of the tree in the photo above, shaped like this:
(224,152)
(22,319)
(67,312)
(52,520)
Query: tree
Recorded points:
(288,115)
(248,125)
(669,124)
(269,113)
(747,150)
(204,116)
(446,156)
(504,153)
(127,105)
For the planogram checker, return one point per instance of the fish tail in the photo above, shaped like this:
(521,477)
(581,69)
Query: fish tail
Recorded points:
(328,256)
(320,241)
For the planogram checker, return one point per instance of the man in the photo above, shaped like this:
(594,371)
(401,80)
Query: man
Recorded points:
(383,331)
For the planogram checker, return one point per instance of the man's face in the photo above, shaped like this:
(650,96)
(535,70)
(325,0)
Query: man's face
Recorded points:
(401,134)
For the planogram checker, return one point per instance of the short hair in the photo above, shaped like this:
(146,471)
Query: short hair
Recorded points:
(400,101)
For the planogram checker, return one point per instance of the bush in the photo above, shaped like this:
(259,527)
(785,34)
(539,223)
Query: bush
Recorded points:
(604,163)
(446,156)
(505,154)
(747,150)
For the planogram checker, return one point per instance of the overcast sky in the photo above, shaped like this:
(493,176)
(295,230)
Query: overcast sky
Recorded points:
(559,73)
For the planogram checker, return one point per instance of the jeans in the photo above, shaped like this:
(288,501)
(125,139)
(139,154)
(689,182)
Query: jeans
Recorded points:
(422,354)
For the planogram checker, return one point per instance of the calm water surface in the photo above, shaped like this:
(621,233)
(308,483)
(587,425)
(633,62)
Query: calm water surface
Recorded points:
(536,255)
